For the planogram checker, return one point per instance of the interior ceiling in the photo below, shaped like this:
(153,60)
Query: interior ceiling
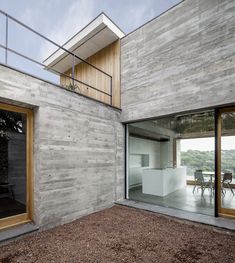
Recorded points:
(195,125)
(146,134)
(188,124)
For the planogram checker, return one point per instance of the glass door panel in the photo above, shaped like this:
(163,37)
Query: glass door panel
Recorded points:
(15,165)
(227,161)
(12,163)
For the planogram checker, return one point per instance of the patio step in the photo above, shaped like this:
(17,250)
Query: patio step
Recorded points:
(14,232)
(228,224)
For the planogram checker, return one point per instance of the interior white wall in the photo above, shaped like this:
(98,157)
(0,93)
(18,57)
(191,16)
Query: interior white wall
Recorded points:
(142,146)
(160,153)
(178,153)
(167,154)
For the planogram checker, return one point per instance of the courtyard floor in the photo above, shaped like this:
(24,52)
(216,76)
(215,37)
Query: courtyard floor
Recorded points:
(121,234)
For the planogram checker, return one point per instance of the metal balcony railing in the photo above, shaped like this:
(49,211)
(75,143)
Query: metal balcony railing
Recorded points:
(7,49)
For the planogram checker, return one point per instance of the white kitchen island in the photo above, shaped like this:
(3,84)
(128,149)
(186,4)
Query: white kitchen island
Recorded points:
(162,182)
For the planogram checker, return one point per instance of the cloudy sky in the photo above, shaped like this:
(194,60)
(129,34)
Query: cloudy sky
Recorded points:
(59,20)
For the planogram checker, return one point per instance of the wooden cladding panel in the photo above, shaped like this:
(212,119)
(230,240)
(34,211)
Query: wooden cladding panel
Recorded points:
(108,60)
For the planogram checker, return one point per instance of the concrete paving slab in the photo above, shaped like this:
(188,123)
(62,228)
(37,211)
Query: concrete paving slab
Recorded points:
(194,217)
(14,232)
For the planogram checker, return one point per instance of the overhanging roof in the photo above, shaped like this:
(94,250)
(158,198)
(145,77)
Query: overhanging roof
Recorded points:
(98,34)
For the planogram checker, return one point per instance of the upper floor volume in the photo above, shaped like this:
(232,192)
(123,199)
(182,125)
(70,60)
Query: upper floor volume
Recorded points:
(93,66)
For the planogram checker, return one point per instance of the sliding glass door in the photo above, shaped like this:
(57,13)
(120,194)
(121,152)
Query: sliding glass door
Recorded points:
(170,162)
(226,161)
(15,165)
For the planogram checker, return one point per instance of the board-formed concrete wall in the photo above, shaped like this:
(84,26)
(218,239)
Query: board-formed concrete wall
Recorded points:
(183,60)
(78,149)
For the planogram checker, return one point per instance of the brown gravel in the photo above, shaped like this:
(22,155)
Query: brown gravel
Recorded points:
(121,234)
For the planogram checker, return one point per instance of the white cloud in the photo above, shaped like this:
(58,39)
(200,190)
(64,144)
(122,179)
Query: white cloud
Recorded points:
(74,18)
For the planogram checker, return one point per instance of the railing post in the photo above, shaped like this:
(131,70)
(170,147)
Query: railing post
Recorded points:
(73,71)
(6,44)
(111,91)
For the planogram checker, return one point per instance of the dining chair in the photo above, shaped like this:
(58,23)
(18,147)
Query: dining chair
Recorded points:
(200,182)
(227,179)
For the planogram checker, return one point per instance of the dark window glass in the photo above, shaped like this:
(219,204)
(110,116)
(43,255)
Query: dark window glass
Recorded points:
(12,163)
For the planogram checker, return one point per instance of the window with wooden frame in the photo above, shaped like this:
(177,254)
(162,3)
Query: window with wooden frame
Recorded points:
(16,175)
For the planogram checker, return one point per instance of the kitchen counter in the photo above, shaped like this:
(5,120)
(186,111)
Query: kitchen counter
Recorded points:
(162,182)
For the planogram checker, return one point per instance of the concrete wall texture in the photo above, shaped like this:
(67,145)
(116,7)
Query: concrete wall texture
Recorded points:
(180,61)
(78,149)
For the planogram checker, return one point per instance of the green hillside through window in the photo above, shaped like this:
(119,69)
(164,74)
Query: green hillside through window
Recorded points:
(204,160)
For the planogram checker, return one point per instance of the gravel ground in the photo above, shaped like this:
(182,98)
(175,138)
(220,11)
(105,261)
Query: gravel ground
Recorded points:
(121,234)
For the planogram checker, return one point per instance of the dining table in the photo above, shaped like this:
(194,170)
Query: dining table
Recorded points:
(212,177)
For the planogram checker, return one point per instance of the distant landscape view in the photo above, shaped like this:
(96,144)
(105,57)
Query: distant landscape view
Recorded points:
(204,160)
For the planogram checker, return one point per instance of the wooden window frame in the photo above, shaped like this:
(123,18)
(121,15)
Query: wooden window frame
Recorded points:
(219,210)
(28,215)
